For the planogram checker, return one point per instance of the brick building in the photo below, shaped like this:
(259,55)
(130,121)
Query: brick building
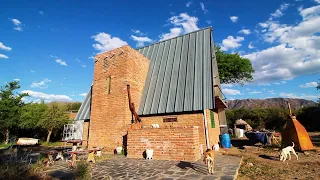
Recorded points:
(173,83)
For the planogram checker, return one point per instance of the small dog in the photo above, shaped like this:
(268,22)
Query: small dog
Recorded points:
(208,159)
(285,152)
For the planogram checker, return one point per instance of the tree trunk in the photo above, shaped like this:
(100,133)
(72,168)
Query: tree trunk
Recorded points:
(49,134)
(7,136)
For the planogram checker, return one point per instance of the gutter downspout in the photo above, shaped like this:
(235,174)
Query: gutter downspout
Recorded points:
(206,129)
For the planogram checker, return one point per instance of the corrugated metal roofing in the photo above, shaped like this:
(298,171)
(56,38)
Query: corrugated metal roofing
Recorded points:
(84,111)
(180,76)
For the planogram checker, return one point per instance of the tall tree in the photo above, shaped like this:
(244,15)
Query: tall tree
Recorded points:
(55,117)
(318,87)
(233,68)
(10,106)
(31,114)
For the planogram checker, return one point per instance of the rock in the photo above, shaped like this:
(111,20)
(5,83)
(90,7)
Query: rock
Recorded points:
(250,164)
(306,153)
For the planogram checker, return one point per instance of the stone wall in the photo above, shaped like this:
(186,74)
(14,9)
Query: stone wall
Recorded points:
(110,114)
(168,143)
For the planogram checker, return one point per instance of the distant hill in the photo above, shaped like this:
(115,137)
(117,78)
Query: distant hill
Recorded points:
(268,103)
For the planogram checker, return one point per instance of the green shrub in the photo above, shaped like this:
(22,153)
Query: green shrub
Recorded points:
(82,171)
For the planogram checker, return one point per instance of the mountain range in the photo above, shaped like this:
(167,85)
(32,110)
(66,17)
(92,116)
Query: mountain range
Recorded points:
(269,103)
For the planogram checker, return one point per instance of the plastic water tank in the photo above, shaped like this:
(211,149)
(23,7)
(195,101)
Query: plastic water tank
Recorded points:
(225,141)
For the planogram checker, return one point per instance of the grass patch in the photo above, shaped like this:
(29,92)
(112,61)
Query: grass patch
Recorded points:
(82,170)
(52,144)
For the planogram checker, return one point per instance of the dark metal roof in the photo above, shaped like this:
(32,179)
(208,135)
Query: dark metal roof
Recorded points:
(84,111)
(180,76)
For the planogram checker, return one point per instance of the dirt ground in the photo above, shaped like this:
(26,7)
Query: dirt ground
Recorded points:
(263,163)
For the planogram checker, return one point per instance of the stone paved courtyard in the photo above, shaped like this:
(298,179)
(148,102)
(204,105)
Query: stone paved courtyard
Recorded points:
(226,168)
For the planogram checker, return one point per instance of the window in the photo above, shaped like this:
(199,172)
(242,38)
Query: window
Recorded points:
(170,119)
(212,119)
(108,84)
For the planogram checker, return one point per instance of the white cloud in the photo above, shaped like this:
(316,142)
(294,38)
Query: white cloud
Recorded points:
(276,83)
(302,96)
(271,91)
(32,71)
(263,25)
(226,85)
(83,65)
(250,46)
(309,85)
(90,57)
(189,4)
(231,43)
(17,24)
(106,42)
(283,82)
(182,24)
(3,56)
(41,12)
(264,84)
(279,12)
(234,18)
(174,32)
(208,22)
(297,51)
(41,84)
(317,1)
(83,94)
(203,8)
(3,47)
(255,92)
(228,91)
(47,97)
(140,40)
(138,32)
(16,79)
(245,31)
(61,62)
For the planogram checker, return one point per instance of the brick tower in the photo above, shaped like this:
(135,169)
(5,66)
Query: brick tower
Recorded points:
(110,114)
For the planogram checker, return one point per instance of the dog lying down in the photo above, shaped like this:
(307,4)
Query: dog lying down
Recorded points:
(208,159)
(285,152)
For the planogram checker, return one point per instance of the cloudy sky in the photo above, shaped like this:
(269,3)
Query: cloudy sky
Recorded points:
(49,45)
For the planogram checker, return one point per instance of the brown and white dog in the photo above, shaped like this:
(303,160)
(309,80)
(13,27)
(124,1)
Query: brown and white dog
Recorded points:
(208,159)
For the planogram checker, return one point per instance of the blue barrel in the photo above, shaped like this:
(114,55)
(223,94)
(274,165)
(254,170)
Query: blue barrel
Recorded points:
(225,141)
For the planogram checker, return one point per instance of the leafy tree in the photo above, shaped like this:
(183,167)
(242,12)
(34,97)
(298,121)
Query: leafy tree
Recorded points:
(10,106)
(318,87)
(233,68)
(31,114)
(55,117)
(73,106)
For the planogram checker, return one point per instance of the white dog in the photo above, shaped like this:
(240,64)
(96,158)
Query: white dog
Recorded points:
(285,152)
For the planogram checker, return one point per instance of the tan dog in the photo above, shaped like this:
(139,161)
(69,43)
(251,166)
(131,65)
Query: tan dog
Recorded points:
(208,159)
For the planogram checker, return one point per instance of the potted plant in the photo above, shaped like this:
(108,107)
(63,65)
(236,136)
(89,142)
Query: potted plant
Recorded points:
(119,148)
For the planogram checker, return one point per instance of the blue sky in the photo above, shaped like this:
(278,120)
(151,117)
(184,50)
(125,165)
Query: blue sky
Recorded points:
(49,45)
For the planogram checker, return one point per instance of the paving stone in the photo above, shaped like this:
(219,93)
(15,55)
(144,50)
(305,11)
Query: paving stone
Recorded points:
(227,177)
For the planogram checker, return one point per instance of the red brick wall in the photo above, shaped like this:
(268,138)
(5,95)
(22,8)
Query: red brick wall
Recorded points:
(110,114)
(195,119)
(178,143)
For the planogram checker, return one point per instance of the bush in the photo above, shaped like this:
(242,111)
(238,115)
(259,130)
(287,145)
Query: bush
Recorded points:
(17,170)
(82,170)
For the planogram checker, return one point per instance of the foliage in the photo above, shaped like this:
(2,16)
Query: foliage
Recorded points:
(31,114)
(73,106)
(309,118)
(275,118)
(318,87)
(82,170)
(54,117)
(10,106)
(269,118)
(233,68)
